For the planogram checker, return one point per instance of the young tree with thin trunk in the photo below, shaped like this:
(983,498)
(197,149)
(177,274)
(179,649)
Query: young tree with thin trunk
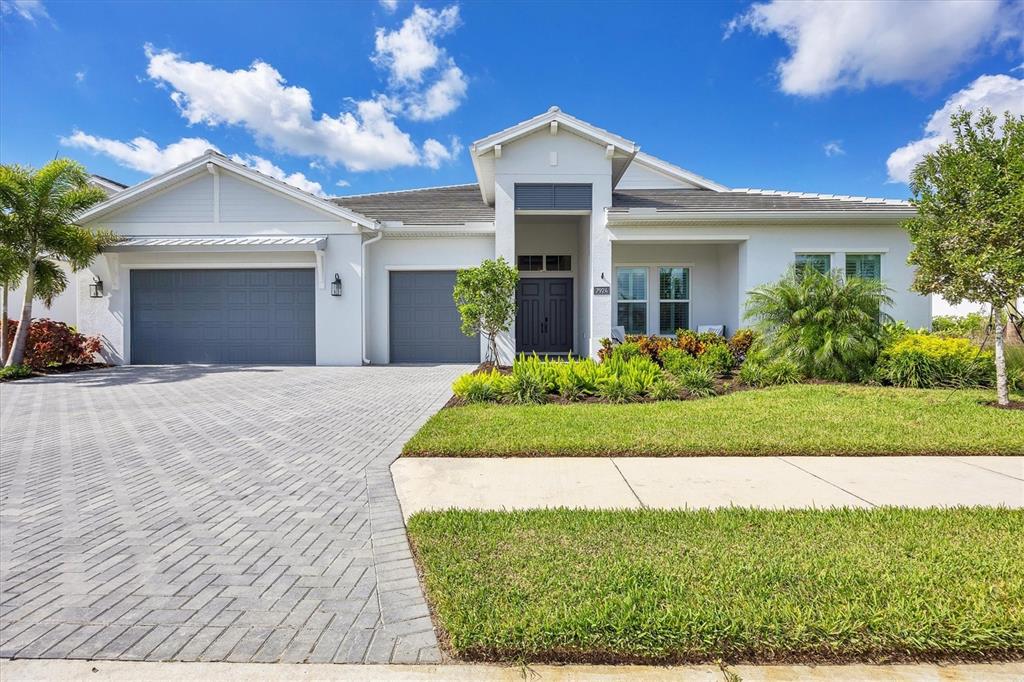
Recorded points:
(486,299)
(38,229)
(968,234)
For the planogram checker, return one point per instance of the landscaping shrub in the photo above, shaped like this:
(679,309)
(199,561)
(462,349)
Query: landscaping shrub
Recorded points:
(829,325)
(665,388)
(740,343)
(532,379)
(760,371)
(15,372)
(717,358)
(637,374)
(55,343)
(480,387)
(676,361)
(969,326)
(625,351)
(927,361)
(616,389)
(695,344)
(576,379)
(699,382)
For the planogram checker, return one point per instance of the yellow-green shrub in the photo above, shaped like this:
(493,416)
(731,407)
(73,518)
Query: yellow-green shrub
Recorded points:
(927,361)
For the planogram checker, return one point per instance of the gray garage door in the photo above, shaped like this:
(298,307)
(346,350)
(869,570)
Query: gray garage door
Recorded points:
(424,322)
(223,316)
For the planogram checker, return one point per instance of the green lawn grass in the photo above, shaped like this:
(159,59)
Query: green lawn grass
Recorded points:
(734,585)
(806,419)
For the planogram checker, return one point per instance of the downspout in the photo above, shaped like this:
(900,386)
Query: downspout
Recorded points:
(366,281)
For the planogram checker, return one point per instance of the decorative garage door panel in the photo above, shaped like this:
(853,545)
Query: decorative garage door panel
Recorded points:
(424,322)
(223,316)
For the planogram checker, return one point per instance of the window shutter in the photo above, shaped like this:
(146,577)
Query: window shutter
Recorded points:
(555,197)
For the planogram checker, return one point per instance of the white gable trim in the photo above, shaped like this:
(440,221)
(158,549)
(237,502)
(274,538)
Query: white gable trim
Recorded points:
(207,163)
(553,119)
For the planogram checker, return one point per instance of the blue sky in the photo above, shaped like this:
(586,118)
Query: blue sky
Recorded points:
(388,95)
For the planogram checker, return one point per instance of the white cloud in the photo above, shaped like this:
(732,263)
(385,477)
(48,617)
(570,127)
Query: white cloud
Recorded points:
(850,43)
(80,76)
(389,5)
(834,148)
(435,153)
(343,183)
(29,10)
(440,99)
(267,167)
(281,115)
(141,154)
(413,59)
(1000,93)
(411,50)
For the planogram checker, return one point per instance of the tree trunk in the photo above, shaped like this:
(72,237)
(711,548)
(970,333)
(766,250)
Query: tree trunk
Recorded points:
(1002,391)
(3,326)
(18,347)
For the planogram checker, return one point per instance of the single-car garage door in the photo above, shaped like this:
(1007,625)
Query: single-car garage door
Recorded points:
(223,316)
(424,322)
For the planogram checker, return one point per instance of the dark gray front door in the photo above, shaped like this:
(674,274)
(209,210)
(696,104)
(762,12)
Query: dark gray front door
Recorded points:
(223,316)
(424,322)
(544,315)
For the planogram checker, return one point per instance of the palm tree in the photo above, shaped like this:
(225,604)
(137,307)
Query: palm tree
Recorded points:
(828,324)
(39,208)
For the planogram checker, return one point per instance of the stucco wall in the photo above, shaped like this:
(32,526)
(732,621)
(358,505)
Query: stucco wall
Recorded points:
(712,278)
(766,252)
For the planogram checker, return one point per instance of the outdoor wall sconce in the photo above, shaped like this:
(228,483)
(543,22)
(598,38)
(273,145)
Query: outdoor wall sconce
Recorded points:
(336,285)
(96,288)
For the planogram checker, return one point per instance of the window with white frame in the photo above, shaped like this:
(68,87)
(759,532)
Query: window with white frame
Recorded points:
(673,299)
(631,295)
(864,265)
(822,262)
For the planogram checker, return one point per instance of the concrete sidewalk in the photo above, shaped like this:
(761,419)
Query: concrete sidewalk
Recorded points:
(706,482)
(118,671)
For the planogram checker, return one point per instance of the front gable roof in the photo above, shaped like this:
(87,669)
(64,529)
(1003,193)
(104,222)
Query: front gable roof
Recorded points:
(206,163)
(483,151)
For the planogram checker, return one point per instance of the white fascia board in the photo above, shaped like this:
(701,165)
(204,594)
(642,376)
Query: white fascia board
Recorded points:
(198,164)
(545,120)
(747,217)
(674,171)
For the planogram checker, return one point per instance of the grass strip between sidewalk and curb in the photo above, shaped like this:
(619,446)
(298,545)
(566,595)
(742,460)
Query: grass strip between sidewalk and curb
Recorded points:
(736,585)
(807,419)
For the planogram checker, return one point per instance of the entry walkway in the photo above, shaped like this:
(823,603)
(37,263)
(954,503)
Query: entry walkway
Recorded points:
(706,482)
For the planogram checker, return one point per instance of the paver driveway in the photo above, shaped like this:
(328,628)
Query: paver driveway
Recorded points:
(211,513)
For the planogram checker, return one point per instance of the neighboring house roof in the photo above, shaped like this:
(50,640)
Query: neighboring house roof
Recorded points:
(206,162)
(452,205)
(106,184)
(746,200)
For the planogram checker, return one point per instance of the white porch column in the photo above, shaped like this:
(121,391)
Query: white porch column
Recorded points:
(600,269)
(505,246)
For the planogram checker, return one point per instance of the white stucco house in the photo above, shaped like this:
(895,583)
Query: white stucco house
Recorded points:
(223,264)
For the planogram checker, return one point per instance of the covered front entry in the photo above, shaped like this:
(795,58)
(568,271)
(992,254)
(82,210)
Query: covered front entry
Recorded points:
(237,316)
(544,314)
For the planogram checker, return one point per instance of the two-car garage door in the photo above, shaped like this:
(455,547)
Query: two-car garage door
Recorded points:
(267,316)
(243,316)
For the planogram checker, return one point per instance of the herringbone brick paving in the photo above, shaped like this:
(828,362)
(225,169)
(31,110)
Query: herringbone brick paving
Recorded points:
(211,513)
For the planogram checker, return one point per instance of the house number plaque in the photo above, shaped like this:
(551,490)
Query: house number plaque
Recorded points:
(602,291)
